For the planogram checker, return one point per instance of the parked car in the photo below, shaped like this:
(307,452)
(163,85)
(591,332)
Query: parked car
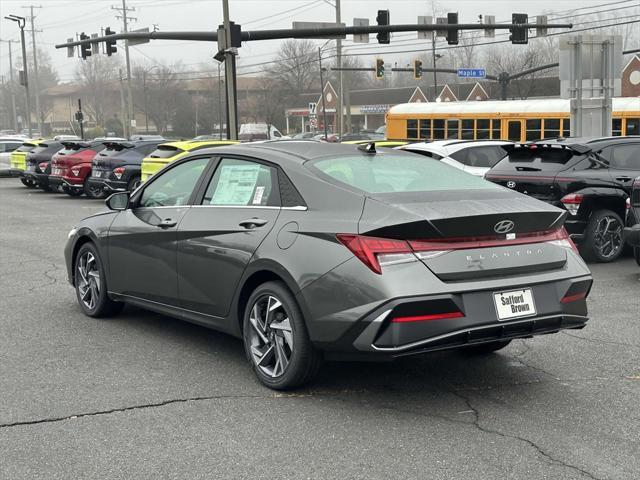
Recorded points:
(347,137)
(71,168)
(632,232)
(378,143)
(39,163)
(18,161)
(8,145)
(590,178)
(304,136)
(475,157)
(250,132)
(307,250)
(118,166)
(165,153)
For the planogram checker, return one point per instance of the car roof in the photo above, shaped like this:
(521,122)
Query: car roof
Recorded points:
(190,144)
(588,140)
(297,151)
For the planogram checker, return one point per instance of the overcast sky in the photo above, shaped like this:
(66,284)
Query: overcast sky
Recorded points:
(61,19)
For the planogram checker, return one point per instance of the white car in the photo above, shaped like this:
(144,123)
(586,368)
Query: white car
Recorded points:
(8,145)
(473,156)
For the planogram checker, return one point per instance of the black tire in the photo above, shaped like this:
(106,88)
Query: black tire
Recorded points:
(487,348)
(91,286)
(289,336)
(603,245)
(636,254)
(133,183)
(28,182)
(93,192)
(72,192)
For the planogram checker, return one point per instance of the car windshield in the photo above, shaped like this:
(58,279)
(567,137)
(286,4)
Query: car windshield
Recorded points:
(25,147)
(395,173)
(537,158)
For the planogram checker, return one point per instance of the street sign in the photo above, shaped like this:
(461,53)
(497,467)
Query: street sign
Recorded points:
(362,37)
(138,41)
(424,20)
(312,108)
(472,73)
(95,47)
(299,25)
(313,123)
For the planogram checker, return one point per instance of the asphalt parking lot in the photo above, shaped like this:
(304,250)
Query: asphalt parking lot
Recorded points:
(146,396)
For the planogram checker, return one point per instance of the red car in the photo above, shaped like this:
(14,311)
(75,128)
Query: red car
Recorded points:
(71,168)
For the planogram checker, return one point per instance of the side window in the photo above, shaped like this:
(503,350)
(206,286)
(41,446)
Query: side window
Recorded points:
(486,156)
(616,127)
(496,129)
(626,156)
(243,183)
(276,133)
(483,128)
(412,129)
(534,129)
(146,150)
(633,126)
(173,187)
(462,155)
(551,127)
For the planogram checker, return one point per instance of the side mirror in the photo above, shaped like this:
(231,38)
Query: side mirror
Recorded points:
(118,201)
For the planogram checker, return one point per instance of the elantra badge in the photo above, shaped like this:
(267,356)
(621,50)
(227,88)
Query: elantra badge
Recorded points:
(511,184)
(504,226)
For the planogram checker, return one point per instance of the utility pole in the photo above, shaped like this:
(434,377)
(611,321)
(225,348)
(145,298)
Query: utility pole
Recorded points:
(129,128)
(122,108)
(35,69)
(324,109)
(219,104)
(435,75)
(230,76)
(340,76)
(25,79)
(14,116)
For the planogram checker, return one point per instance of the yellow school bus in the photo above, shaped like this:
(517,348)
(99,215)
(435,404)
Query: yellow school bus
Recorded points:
(516,120)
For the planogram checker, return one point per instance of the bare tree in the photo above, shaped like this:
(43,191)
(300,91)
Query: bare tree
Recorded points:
(296,66)
(98,77)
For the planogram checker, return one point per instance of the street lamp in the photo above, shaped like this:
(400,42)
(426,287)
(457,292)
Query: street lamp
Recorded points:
(21,22)
(144,93)
(436,57)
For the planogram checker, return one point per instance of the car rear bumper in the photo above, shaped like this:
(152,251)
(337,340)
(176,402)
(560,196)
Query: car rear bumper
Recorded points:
(55,181)
(41,178)
(108,185)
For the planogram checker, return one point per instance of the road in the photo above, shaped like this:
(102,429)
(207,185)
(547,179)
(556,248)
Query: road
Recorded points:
(146,396)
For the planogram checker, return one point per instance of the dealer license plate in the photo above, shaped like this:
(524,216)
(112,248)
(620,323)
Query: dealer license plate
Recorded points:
(56,171)
(96,173)
(514,304)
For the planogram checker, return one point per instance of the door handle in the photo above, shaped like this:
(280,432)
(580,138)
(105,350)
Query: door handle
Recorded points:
(167,223)
(251,223)
(624,179)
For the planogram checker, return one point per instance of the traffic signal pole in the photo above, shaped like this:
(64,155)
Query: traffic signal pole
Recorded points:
(229,51)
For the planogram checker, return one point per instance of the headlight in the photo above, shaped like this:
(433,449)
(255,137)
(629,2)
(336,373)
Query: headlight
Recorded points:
(72,232)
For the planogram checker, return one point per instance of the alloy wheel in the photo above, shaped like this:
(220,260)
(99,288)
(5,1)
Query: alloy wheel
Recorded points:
(88,280)
(608,236)
(270,336)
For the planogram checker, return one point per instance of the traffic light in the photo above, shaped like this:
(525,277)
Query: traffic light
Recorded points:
(383,19)
(110,45)
(85,48)
(417,69)
(379,68)
(519,35)
(452,35)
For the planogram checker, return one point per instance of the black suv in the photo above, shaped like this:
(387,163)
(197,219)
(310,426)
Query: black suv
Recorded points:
(632,233)
(38,163)
(117,167)
(590,178)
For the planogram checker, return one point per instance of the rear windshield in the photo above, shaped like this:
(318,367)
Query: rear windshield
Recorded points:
(541,158)
(165,151)
(70,149)
(40,148)
(113,149)
(382,173)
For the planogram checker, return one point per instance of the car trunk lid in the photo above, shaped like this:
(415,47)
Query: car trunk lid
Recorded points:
(487,233)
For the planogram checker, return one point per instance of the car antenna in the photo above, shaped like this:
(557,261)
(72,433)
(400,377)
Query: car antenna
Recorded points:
(369,148)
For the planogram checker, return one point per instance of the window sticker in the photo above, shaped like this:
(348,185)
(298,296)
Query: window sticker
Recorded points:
(236,184)
(257,197)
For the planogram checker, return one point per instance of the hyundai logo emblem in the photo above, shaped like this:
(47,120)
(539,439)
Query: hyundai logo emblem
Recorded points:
(511,184)
(504,226)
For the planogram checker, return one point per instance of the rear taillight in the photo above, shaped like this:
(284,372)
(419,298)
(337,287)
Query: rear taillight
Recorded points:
(572,202)
(574,297)
(75,171)
(378,252)
(118,172)
(42,166)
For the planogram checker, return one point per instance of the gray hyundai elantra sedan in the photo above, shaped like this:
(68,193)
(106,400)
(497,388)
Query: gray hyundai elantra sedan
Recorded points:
(312,251)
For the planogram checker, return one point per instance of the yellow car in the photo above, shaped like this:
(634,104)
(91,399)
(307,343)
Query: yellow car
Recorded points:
(378,143)
(18,159)
(169,152)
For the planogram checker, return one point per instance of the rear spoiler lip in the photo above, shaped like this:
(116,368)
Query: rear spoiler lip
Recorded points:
(123,144)
(579,148)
